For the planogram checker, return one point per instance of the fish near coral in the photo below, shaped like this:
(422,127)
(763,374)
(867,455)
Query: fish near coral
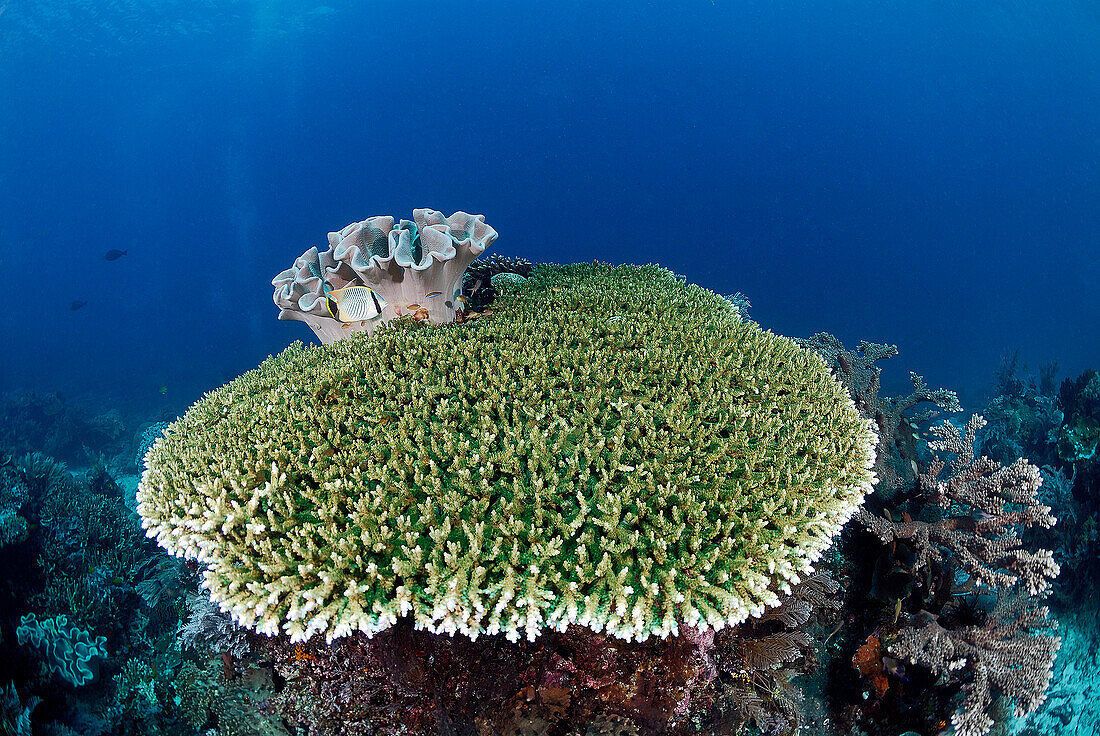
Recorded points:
(411,262)
(355,303)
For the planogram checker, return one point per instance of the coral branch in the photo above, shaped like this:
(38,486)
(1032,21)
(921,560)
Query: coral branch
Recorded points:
(984,502)
(895,417)
(1005,653)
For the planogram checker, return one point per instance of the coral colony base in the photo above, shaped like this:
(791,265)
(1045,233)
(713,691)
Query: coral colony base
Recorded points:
(611,447)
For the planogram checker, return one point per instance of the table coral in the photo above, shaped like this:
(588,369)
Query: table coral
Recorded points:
(612,447)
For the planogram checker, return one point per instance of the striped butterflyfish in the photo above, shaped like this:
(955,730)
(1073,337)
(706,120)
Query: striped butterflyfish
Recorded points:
(355,303)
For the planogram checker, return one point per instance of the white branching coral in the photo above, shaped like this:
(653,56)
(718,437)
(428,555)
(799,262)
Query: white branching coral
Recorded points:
(984,503)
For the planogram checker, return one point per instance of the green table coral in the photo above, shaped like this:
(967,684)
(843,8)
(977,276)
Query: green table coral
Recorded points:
(611,447)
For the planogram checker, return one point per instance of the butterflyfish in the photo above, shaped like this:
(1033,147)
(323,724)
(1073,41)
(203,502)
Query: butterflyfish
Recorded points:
(355,303)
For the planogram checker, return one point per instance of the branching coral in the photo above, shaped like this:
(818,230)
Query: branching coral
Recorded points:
(415,268)
(613,448)
(896,418)
(1009,653)
(984,503)
(975,540)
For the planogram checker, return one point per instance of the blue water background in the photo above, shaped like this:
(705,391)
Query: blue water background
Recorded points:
(922,173)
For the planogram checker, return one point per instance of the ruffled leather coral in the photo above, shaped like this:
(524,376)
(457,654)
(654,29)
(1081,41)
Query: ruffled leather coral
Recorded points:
(415,267)
(68,650)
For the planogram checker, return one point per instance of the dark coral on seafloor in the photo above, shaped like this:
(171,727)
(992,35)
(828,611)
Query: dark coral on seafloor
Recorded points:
(1022,415)
(1078,437)
(428,683)
(477,285)
(84,561)
(48,423)
(411,681)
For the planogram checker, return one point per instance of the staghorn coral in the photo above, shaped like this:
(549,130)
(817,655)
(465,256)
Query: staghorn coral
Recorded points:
(1009,653)
(68,650)
(578,457)
(984,503)
(970,547)
(896,418)
(415,266)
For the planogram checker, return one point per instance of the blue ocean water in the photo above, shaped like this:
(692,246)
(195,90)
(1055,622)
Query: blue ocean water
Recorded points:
(918,173)
(921,173)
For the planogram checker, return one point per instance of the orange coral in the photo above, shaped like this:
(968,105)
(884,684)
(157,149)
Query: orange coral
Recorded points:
(301,654)
(868,661)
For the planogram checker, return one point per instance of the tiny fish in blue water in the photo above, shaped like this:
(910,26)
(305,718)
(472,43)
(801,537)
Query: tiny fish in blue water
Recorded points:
(114,254)
(75,305)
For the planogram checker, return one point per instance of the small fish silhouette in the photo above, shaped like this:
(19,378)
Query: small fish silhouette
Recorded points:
(76,305)
(163,390)
(114,254)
